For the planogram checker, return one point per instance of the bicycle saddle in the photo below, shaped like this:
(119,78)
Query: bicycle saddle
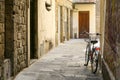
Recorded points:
(94,41)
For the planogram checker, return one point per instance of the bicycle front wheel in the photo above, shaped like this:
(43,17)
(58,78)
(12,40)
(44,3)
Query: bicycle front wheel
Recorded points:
(87,55)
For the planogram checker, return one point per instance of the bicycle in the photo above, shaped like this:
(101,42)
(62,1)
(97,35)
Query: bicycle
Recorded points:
(92,51)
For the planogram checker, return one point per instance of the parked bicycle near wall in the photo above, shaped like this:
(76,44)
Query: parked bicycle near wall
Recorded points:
(92,51)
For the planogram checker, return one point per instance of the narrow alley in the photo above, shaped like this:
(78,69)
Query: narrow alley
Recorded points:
(41,39)
(65,62)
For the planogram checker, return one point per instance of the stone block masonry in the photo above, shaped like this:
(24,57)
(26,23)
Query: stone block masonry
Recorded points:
(16,34)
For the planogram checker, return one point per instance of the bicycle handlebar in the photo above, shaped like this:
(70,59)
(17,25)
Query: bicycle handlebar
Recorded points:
(90,33)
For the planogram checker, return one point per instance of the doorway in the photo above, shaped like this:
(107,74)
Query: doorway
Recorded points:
(33,29)
(83,23)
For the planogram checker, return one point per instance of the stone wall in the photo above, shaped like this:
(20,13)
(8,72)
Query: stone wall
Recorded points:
(98,16)
(1,38)
(16,34)
(20,35)
(112,39)
(63,32)
(16,49)
(117,33)
(46,31)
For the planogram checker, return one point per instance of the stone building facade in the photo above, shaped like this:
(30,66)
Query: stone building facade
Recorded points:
(16,34)
(45,26)
(63,19)
(28,30)
(110,39)
(84,17)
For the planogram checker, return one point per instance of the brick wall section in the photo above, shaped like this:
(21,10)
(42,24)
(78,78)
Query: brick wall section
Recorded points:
(1,38)
(16,34)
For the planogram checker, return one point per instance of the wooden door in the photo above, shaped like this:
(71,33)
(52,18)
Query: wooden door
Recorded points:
(83,23)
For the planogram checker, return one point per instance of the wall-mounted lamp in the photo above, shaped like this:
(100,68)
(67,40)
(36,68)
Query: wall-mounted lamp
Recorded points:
(48,4)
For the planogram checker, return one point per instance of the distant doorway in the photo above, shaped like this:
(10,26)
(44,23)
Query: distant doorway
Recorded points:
(83,23)
(33,29)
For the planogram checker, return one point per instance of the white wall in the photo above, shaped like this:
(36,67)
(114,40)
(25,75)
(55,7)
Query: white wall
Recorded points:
(75,23)
(46,23)
(28,35)
(59,23)
(92,17)
(71,0)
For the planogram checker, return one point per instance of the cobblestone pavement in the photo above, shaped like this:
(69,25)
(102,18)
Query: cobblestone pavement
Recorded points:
(65,62)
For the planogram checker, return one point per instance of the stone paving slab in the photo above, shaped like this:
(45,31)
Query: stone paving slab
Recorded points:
(64,62)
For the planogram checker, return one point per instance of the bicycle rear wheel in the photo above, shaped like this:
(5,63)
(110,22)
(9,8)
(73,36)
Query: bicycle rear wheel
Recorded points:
(94,62)
(87,55)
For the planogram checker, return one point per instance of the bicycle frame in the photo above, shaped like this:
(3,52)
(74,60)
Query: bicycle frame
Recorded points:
(92,53)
